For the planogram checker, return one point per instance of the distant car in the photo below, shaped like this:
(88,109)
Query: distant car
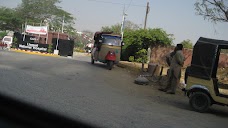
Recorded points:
(7,40)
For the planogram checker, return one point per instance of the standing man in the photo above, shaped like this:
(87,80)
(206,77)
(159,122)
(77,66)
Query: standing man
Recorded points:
(174,73)
(169,58)
(175,69)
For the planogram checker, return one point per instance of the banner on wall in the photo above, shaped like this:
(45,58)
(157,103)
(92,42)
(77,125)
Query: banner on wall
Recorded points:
(42,30)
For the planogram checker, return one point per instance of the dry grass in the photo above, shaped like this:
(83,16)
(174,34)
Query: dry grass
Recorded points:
(135,69)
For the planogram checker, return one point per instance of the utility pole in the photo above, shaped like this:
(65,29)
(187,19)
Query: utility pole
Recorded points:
(122,31)
(123,22)
(63,23)
(147,11)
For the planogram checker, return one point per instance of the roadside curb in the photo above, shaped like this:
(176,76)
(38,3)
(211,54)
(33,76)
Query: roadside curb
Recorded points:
(34,52)
(81,53)
(130,66)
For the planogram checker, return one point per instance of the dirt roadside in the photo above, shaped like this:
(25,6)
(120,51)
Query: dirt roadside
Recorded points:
(151,92)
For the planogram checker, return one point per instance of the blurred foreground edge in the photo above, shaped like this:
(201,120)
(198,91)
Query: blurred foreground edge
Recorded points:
(14,113)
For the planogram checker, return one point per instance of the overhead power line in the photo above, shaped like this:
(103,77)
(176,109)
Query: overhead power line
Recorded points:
(129,5)
(108,2)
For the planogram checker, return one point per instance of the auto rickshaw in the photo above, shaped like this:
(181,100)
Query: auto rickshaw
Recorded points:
(107,48)
(205,86)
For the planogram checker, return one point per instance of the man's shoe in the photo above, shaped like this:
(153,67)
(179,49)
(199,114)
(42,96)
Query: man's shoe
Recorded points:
(161,89)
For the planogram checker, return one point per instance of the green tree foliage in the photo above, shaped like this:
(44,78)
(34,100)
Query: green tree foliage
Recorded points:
(2,34)
(116,29)
(88,33)
(46,10)
(141,56)
(137,40)
(50,48)
(214,10)
(9,20)
(79,44)
(187,44)
(35,12)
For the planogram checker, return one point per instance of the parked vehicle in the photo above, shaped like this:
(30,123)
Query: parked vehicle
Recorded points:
(107,48)
(7,41)
(204,88)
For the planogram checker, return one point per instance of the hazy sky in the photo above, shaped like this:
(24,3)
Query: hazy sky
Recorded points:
(175,16)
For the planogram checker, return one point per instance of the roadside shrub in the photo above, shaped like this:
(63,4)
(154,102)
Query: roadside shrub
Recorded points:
(79,50)
(2,34)
(131,58)
(141,56)
(14,42)
(50,48)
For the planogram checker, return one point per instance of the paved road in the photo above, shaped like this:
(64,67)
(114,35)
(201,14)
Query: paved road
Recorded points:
(92,93)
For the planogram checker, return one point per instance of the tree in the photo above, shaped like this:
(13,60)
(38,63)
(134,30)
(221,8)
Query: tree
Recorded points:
(148,38)
(37,11)
(88,33)
(143,39)
(9,20)
(2,34)
(187,44)
(117,27)
(114,28)
(214,10)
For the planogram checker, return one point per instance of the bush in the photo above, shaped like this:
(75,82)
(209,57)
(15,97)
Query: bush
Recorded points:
(136,40)
(131,58)
(2,34)
(14,42)
(141,56)
(79,50)
(50,48)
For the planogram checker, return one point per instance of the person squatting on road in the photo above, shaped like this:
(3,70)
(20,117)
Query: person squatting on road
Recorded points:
(176,59)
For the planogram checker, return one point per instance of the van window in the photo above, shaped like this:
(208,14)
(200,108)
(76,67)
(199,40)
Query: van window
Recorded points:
(7,39)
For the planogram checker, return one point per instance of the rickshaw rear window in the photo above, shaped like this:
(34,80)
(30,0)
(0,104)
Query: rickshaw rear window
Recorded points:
(111,40)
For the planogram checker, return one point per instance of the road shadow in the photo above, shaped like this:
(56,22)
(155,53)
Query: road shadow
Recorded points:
(96,64)
(99,65)
(182,102)
(217,110)
(221,111)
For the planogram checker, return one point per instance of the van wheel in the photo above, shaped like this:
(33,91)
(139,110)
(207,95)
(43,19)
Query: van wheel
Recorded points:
(200,102)
(110,65)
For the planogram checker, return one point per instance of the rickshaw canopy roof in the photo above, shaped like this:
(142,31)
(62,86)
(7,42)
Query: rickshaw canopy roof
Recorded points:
(212,41)
(205,57)
(98,34)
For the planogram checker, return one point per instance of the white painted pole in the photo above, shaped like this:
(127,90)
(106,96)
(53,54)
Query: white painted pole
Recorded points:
(25,31)
(123,22)
(47,33)
(63,23)
(57,44)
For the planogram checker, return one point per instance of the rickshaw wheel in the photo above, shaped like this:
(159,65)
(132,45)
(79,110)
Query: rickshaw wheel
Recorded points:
(92,60)
(200,102)
(110,65)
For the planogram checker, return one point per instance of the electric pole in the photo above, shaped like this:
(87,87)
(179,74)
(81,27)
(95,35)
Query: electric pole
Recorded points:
(63,24)
(123,22)
(147,11)
(122,31)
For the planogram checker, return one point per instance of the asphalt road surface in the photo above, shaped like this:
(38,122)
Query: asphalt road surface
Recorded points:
(80,90)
